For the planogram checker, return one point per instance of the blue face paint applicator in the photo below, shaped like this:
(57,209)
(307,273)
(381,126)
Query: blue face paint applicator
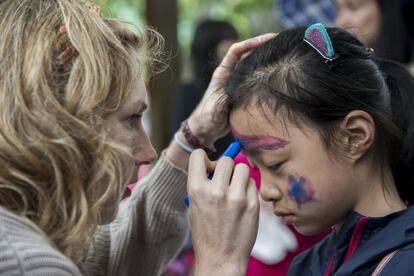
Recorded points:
(231,152)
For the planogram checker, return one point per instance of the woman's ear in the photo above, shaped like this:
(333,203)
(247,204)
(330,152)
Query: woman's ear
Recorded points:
(358,129)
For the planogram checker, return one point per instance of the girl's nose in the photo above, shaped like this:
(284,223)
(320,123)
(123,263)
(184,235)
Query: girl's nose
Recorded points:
(269,191)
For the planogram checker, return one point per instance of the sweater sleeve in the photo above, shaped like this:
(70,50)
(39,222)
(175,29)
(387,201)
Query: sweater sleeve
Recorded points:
(24,250)
(149,228)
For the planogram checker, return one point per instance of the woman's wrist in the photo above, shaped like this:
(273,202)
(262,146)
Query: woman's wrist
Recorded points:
(224,268)
(177,154)
(202,133)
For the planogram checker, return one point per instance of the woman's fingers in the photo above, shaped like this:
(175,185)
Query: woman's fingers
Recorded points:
(198,167)
(223,173)
(252,196)
(240,181)
(224,214)
(237,50)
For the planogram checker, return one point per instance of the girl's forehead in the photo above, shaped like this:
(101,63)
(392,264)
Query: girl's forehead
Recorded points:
(252,120)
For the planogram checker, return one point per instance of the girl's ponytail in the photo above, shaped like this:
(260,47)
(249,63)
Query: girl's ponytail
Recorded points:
(401,87)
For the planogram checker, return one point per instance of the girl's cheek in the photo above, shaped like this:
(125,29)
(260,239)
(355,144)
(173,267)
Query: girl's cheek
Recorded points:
(300,190)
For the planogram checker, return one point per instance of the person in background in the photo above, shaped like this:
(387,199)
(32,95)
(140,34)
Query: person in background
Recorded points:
(297,13)
(385,26)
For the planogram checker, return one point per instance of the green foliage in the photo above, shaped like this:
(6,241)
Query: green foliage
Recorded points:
(128,10)
(250,17)
(242,13)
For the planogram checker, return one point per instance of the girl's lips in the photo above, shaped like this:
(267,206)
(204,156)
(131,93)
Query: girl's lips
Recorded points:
(287,218)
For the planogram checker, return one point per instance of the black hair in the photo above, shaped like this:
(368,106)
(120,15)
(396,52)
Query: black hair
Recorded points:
(396,37)
(209,33)
(287,73)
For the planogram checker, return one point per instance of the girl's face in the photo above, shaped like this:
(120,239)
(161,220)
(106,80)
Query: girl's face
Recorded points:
(361,17)
(308,187)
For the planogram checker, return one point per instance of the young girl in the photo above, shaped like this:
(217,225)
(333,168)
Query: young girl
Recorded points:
(331,128)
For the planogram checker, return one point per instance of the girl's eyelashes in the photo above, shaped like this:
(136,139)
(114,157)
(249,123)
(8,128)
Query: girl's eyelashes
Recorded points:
(274,168)
(133,120)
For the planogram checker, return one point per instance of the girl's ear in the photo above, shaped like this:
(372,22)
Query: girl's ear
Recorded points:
(358,133)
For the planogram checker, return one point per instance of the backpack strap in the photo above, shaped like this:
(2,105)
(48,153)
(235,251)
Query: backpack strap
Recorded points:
(383,263)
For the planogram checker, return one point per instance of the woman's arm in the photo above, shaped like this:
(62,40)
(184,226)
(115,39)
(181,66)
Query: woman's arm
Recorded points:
(149,228)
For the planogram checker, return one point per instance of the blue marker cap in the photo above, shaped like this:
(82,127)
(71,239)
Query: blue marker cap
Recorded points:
(233,149)
(231,152)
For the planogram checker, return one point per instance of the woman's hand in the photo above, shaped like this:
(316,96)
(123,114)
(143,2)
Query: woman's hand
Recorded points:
(224,215)
(209,121)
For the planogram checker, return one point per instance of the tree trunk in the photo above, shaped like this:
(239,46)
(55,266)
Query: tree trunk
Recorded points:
(162,16)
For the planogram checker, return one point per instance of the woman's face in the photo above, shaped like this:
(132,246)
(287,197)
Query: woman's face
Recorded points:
(361,17)
(307,186)
(125,127)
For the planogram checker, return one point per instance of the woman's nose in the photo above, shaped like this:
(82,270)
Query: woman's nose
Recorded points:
(147,153)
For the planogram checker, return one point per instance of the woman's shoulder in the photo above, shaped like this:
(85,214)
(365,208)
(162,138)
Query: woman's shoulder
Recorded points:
(25,250)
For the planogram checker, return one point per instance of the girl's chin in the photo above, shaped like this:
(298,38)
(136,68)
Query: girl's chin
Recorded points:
(308,230)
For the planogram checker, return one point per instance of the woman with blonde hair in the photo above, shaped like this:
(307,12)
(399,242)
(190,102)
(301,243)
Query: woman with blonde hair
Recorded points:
(71,101)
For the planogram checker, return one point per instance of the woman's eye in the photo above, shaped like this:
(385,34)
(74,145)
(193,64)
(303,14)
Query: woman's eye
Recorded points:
(133,120)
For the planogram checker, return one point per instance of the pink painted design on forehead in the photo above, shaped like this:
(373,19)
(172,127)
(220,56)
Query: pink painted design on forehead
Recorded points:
(266,142)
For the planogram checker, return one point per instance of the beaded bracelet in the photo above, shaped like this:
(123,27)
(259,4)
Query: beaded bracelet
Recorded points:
(191,139)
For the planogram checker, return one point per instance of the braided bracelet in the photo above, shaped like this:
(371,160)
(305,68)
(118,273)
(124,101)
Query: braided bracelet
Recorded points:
(191,139)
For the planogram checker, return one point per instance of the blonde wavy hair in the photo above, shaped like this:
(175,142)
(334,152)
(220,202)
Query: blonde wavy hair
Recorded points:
(55,156)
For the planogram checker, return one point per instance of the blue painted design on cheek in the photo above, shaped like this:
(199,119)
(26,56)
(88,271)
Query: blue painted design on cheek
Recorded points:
(298,191)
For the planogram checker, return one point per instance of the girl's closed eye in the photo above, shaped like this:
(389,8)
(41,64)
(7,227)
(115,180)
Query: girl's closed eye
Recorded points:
(274,168)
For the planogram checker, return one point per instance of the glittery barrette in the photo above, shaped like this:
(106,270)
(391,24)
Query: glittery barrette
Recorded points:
(317,37)
(63,48)
(93,7)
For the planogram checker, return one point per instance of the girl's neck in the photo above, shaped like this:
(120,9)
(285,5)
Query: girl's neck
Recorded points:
(379,196)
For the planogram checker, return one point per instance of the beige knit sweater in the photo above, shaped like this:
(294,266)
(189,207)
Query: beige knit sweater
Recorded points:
(144,237)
